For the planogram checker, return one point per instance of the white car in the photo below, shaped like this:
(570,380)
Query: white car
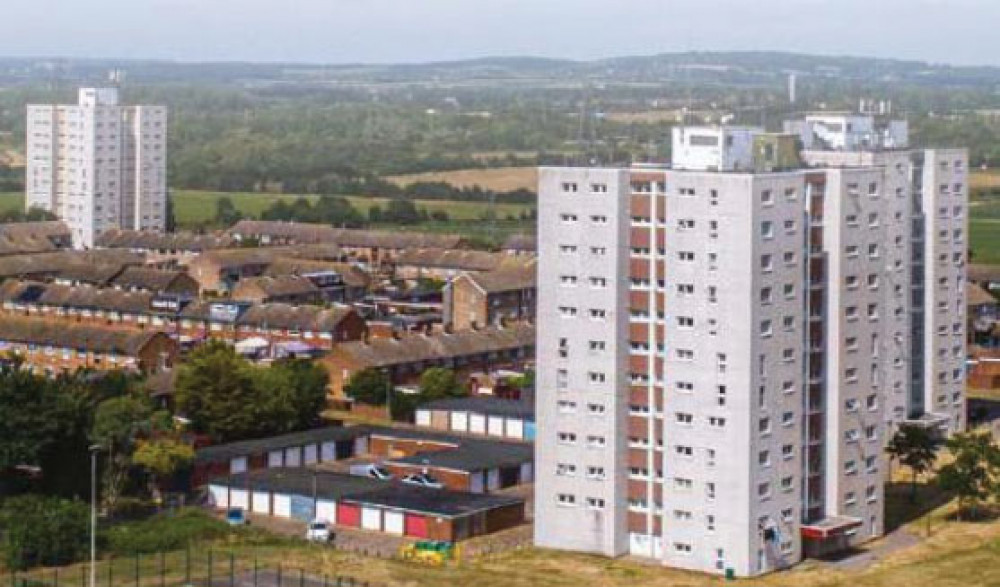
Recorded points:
(423,480)
(319,531)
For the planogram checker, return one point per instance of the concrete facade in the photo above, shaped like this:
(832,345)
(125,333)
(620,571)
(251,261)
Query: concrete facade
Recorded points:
(98,165)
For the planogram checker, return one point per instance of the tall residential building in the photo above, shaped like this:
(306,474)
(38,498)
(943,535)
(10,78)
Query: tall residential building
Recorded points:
(98,164)
(725,344)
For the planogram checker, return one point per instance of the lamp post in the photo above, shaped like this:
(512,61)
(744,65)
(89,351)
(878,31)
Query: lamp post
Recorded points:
(94,449)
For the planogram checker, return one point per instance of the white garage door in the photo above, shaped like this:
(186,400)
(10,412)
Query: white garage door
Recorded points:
(282,505)
(219,495)
(495,425)
(476,482)
(394,523)
(460,421)
(477,423)
(261,502)
(239,498)
(360,446)
(371,519)
(238,465)
(515,428)
(493,479)
(275,458)
(293,456)
(326,510)
(309,454)
(328,452)
(423,418)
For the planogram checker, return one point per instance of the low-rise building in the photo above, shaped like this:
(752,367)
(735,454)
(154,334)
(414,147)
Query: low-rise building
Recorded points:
(486,416)
(218,271)
(164,247)
(53,347)
(406,357)
(288,289)
(235,321)
(160,281)
(983,314)
(482,298)
(17,238)
(69,264)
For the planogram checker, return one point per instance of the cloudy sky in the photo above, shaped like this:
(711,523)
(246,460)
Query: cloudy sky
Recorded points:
(339,31)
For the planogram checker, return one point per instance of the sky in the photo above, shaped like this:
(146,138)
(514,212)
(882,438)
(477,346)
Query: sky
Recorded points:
(961,32)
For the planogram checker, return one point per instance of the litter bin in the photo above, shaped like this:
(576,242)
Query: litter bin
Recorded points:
(730,574)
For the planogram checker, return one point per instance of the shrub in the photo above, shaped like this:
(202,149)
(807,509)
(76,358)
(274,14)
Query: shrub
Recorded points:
(39,530)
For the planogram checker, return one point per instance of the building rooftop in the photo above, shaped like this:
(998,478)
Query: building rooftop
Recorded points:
(483,405)
(436,502)
(43,332)
(300,480)
(147,279)
(421,347)
(162,241)
(224,452)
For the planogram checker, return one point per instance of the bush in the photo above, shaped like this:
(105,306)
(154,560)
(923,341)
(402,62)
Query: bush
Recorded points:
(164,532)
(39,530)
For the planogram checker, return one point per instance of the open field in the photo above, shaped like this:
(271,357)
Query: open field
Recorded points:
(500,179)
(192,207)
(11,201)
(984,238)
(984,179)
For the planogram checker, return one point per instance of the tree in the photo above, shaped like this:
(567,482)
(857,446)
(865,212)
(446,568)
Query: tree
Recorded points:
(117,423)
(438,383)
(162,458)
(973,473)
(214,389)
(401,211)
(368,387)
(39,530)
(915,447)
(226,213)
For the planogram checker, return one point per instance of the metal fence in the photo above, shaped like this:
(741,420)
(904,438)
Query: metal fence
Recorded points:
(202,568)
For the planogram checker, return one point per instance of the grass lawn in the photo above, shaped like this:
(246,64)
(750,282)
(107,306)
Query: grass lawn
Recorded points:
(984,238)
(956,554)
(11,201)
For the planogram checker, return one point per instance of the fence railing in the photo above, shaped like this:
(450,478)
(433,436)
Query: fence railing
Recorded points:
(203,568)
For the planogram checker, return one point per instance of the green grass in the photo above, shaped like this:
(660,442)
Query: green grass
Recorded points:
(193,207)
(11,201)
(984,236)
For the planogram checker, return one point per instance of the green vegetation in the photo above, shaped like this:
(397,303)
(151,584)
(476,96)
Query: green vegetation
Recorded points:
(371,387)
(229,398)
(973,475)
(41,530)
(915,447)
(174,531)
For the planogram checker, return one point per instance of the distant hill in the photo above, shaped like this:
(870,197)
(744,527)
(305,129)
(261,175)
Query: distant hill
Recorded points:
(737,67)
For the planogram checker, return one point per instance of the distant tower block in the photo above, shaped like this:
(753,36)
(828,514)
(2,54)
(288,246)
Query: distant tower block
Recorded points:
(791,88)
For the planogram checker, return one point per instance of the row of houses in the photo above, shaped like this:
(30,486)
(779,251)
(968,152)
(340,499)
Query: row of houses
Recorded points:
(186,320)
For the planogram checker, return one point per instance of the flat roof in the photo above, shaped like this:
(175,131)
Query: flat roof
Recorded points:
(472,456)
(483,405)
(435,502)
(242,448)
(299,481)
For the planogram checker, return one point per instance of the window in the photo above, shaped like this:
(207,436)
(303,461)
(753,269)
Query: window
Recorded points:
(765,329)
(596,473)
(686,256)
(684,418)
(767,229)
(767,197)
(599,188)
(765,295)
(716,422)
(568,280)
(764,425)
(683,484)
(766,263)
(787,483)
(787,418)
(567,249)
(595,503)
(567,311)
(596,345)
(566,500)
(596,377)
(685,322)
(789,258)
(710,523)
(598,282)
(562,379)
(684,451)
(764,491)
(566,469)
(569,187)
(764,458)
(595,441)
(598,314)
(871,494)
(566,406)
(568,438)
(684,224)
(850,498)
(710,491)
(567,218)
(599,251)
(684,354)
(682,548)
(685,386)
(595,409)
(685,289)
(599,219)
(787,452)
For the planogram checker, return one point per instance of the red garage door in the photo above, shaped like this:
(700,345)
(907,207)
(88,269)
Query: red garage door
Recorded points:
(415,526)
(348,514)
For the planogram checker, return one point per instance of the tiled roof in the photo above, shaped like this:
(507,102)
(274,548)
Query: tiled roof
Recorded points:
(977,296)
(73,263)
(383,352)
(160,241)
(148,279)
(58,334)
(506,279)
(287,316)
(321,233)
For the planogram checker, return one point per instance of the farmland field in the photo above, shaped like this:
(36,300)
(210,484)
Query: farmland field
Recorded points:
(500,179)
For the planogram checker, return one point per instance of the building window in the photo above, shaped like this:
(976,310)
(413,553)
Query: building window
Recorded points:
(566,499)
(567,438)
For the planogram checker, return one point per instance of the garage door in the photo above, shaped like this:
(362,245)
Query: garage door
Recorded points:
(219,495)
(476,484)
(260,502)
(275,458)
(293,456)
(239,498)
(238,465)
(394,523)
(328,452)
(515,428)
(282,505)
(423,418)
(371,518)
(460,421)
(477,423)
(360,446)
(527,474)
(326,510)
(493,480)
(349,514)
(495,426)
(416,526)
(302,508)
(309,454)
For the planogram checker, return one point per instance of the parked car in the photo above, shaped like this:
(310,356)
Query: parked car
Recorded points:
(319,531)
(423,480)
(236,517)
